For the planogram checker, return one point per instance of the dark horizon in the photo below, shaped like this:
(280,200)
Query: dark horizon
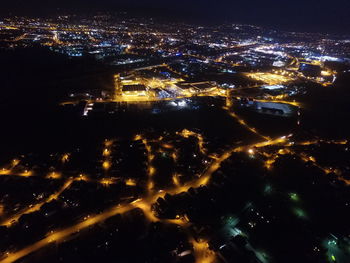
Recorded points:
(313,16)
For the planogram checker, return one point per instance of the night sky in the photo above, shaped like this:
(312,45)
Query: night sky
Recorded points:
(310,15)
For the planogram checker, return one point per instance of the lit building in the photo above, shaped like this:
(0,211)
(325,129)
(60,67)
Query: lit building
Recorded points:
(136,90)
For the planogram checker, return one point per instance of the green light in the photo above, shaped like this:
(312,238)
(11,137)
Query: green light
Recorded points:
(268,189)
(333,257)
(332,242)
(232,221)
(299,213)
(262,256)
(294,197)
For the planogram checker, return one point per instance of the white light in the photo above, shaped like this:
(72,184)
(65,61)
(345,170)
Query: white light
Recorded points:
(182,103)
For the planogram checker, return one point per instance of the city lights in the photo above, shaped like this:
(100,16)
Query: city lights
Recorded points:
(143,140)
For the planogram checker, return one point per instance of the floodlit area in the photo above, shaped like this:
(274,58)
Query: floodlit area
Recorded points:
(270,78)
(137,88)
